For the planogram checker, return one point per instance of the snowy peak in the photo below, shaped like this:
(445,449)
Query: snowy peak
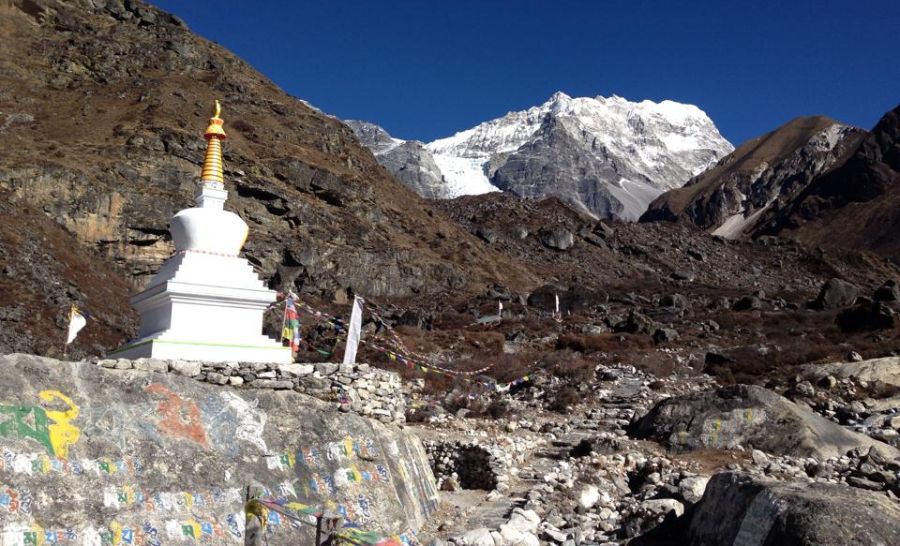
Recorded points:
(617,157)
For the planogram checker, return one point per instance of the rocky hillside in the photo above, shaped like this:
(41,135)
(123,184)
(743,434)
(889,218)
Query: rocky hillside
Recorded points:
(102,105)
(607,157)
(856,205)
(762,173)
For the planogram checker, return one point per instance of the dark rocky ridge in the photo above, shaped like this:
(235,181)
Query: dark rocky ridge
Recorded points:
(553,165)
(764,172)
(103,107)
(855,205)
(791,184)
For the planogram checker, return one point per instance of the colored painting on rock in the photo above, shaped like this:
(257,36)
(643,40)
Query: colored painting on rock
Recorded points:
(50,428)
(94,456)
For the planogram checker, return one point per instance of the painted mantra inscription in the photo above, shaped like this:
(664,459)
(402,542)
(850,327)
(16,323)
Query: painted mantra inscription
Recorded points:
(33,464)
(193,530)
(333,476)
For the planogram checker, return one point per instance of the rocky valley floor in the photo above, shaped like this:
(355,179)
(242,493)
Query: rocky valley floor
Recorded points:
(599,473)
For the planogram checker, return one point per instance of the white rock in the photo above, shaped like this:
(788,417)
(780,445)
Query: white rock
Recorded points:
(589,497)
(661,507)
(151,365)
(184,367)
(296,370)
(476,537)
(692,488)
(513,536)
(524,520)
(759,457)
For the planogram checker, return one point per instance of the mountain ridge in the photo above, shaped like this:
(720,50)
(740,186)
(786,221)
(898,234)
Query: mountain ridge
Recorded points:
(728,198)
(640,149)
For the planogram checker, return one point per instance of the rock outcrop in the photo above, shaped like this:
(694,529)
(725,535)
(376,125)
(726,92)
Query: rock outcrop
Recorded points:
(408,160)
(883,370)
(737,509)
(835,294)
(97,454)
(748,416)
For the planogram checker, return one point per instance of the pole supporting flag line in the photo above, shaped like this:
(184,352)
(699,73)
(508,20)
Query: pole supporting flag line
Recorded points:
(397,352)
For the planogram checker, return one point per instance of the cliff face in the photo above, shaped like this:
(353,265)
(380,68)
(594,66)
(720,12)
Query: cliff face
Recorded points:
(102,105)
(99,455)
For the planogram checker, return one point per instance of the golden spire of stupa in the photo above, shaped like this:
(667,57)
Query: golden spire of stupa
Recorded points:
(212,163)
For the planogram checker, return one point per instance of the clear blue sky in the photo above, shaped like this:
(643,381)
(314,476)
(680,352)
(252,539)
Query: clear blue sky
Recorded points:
(426,69)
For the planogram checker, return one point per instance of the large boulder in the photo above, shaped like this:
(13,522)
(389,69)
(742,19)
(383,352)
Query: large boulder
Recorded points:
(748,416)
(884,370)
(572,299)
(737,509)
(835,294)
(556,237)
(887,292)
(864,317)
(636,323)
(165,459)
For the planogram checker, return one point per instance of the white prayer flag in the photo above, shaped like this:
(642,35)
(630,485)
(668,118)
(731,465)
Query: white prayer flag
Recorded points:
(354,331)
(557,304)
(77,321)
(500,308)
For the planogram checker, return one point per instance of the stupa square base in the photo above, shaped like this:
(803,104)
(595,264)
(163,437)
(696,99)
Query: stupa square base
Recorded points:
(260,349)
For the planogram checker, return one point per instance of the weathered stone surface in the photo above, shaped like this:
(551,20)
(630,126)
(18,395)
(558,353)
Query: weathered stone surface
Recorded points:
(866,316)
(887,292)
(102,451)
(187,368)
(557,238)
(692,489)
(885,370)
(835,294)
(748,416)
(297,370)
(738,509)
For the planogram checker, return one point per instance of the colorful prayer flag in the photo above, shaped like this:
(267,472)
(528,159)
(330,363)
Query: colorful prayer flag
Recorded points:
(291,330)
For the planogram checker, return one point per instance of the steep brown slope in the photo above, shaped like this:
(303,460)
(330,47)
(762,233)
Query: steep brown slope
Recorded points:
(856,205)
(764,171)
(101,114)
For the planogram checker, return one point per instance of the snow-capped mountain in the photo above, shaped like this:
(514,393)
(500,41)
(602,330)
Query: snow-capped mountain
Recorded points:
(609,157)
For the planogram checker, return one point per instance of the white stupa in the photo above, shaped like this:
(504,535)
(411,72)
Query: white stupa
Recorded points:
(206,302)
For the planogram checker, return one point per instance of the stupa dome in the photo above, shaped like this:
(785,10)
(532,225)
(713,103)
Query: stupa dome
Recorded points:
(208,227)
